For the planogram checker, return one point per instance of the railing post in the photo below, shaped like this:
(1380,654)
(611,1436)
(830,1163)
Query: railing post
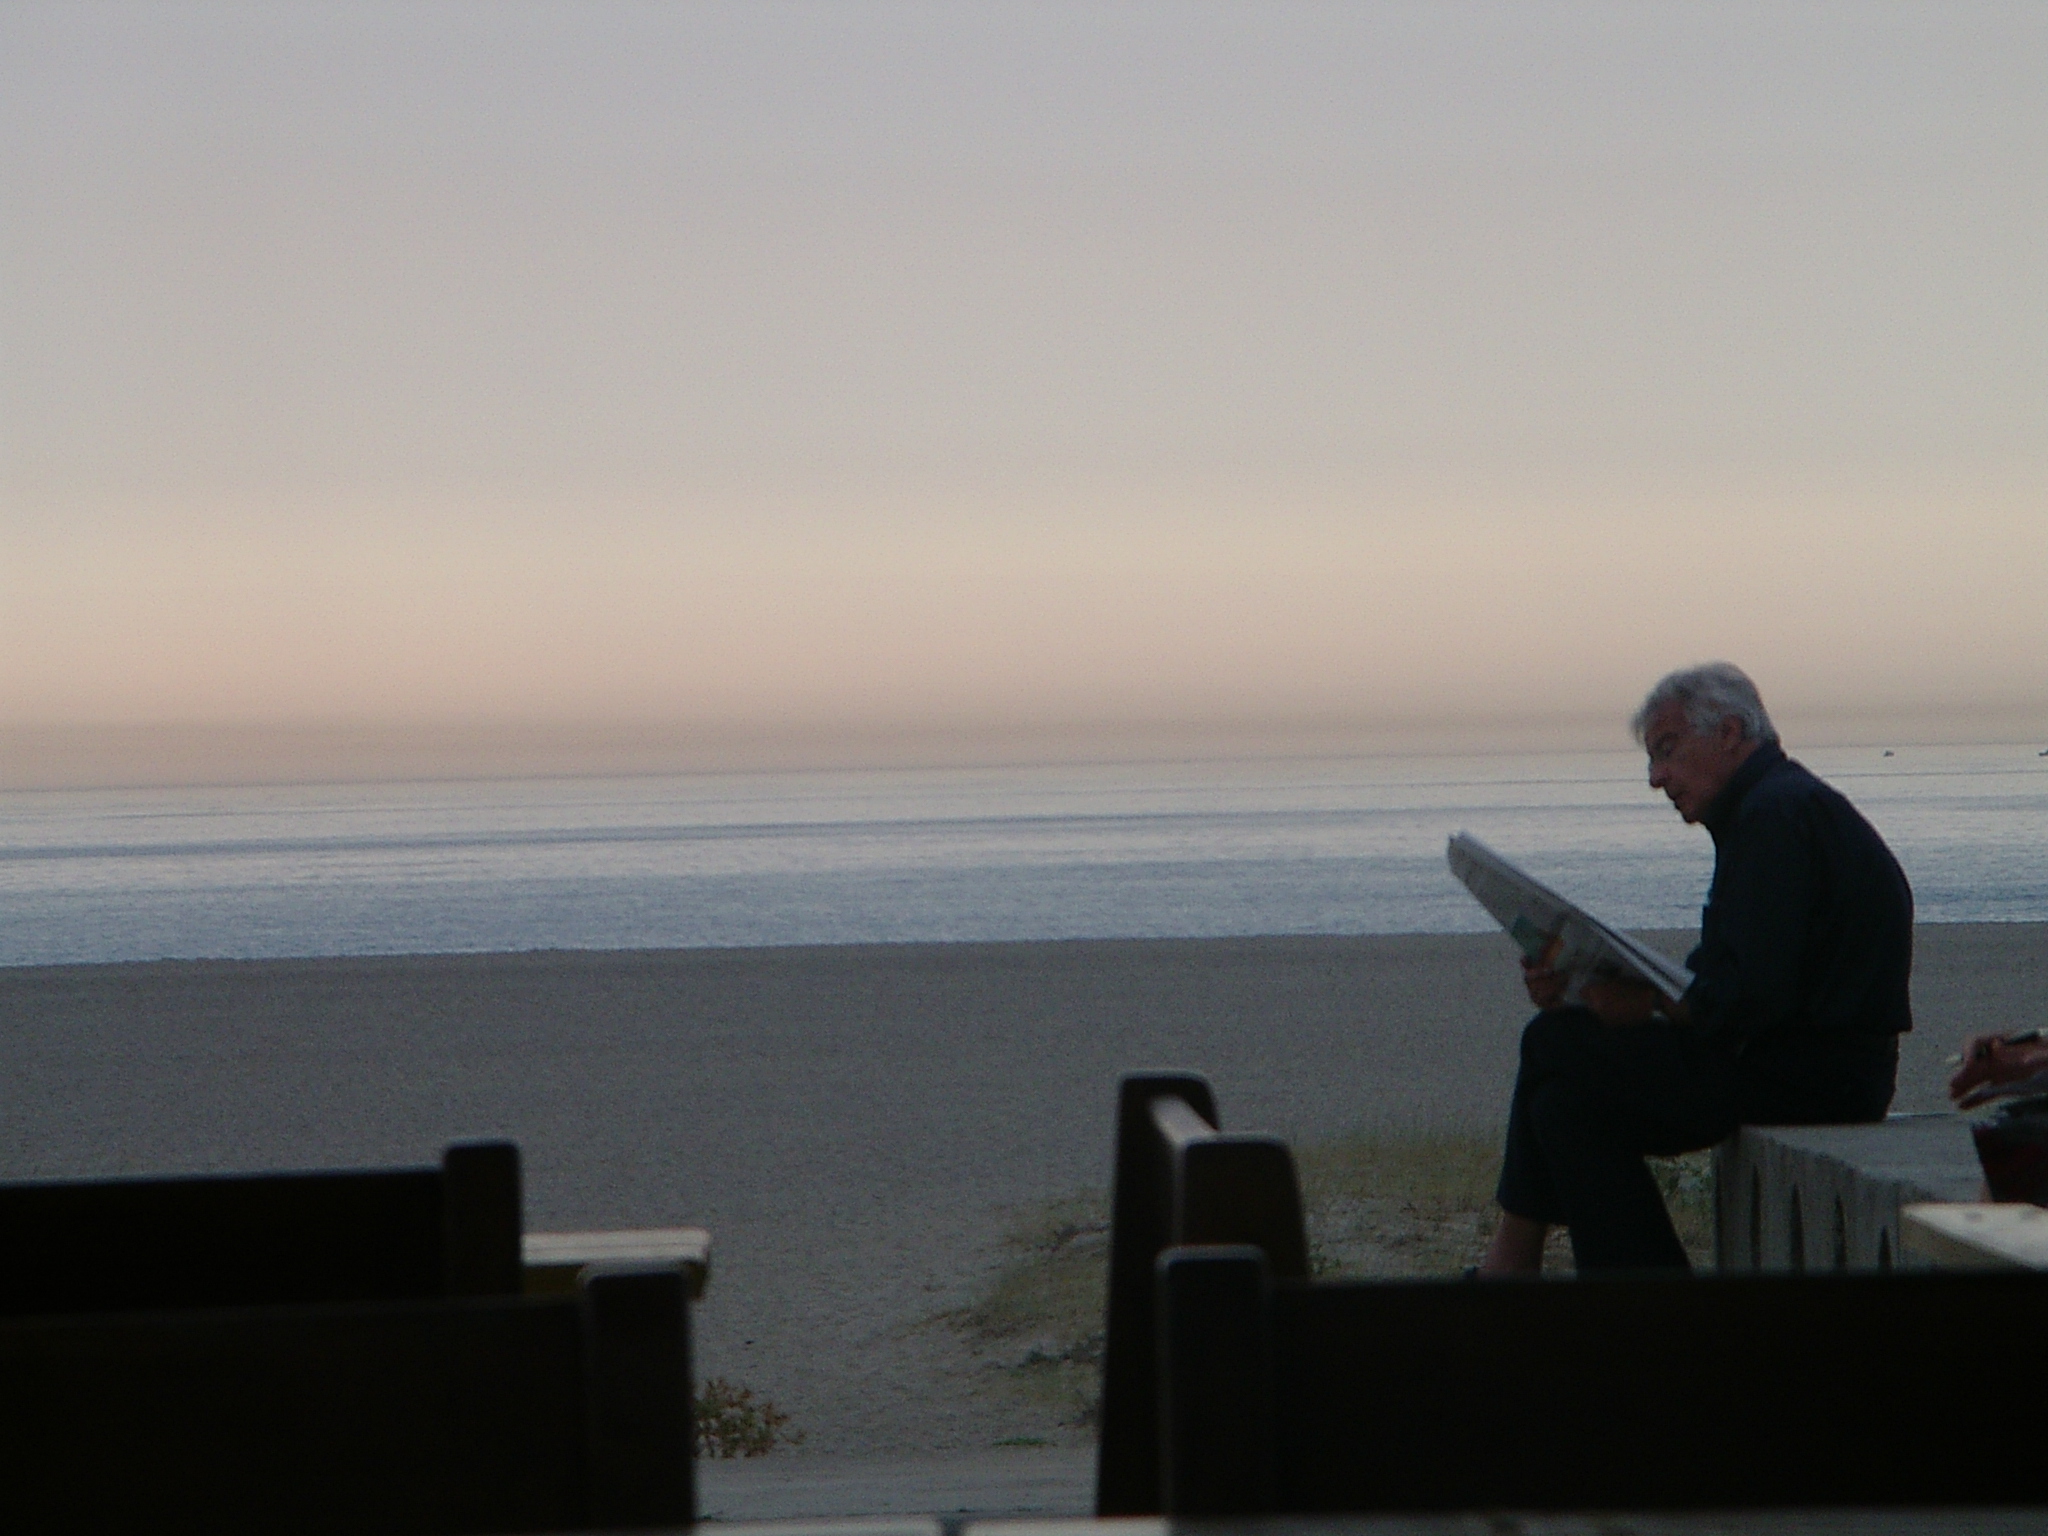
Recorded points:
(480,1219)
(1215,1382)
(1141,1225)
(641,1425)
(1242,1189)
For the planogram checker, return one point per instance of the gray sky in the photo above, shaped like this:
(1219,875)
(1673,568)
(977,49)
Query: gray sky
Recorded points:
(832,371)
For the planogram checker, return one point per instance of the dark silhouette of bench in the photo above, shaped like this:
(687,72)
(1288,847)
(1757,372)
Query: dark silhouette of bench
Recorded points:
(1178,1180)
(1285,1396)
(499,1413)
(131,1244)
(1234,1385)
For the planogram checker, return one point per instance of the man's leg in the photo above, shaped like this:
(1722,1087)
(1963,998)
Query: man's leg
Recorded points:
(1517,1247)
(1590,1100)
(1529,1204)
(1612,1204)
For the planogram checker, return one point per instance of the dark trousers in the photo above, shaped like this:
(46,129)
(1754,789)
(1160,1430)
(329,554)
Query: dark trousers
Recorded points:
(1592,1099)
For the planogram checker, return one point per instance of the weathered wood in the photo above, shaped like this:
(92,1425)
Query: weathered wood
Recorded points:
(1974,1236)
(642,1425)
(1639,1394)
(127,1244)
(1178,1180)
(1216,1451)
(553,1259)
(480,1219)
(1140,1226)
(1242,1189)
(1931,1521)
(477,1414)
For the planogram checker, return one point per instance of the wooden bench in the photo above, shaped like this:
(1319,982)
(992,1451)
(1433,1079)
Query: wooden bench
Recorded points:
(1641,1394)
(1233,1385)
(127,1244)
(554,1259)
(1178,1180)
(498,1413)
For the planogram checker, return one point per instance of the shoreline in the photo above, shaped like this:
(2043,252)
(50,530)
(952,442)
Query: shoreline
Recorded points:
(859,1126)
(1673,941)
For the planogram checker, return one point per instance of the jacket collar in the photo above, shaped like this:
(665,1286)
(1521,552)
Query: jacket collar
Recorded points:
(1760,762)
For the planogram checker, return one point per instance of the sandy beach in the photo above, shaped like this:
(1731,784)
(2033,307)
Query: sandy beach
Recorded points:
(858,1126)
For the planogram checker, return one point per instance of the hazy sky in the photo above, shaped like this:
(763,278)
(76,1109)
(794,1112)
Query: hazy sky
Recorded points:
(691,376)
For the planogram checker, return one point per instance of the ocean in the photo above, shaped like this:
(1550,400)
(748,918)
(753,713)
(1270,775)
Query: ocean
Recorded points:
(1351,845)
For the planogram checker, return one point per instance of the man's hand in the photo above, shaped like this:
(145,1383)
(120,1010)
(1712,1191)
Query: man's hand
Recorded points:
(1990,1061)
(1612,999)
(1621,1000)
(1546,987)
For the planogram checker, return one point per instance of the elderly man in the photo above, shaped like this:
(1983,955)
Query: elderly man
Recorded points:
(1793,1016)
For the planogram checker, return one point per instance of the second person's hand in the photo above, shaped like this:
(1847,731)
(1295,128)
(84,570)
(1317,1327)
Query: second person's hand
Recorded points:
(1621,1000)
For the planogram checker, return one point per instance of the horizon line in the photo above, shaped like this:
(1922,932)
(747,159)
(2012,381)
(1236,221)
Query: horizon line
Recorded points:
(57,756)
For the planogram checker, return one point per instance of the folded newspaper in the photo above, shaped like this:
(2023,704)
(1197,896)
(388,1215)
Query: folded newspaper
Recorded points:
(1550,929)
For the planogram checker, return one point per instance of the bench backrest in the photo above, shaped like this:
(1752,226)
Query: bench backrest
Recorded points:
(485,1414)
(1653,1393)
(128,1244)
(1178,1180)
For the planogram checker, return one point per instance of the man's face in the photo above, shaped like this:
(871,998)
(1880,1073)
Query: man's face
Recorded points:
(1692,767)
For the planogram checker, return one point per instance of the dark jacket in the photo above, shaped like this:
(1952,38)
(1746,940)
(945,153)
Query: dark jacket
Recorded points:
(1808,927)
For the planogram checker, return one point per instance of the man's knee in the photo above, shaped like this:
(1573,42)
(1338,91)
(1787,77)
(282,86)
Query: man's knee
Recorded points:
(1568,1109)
(1558,1039)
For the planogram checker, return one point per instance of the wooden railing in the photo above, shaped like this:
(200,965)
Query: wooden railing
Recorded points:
(133,1244)
(1178,1180)
(1235,1385)
(501,1413)
(1284,1396)
(377,1349)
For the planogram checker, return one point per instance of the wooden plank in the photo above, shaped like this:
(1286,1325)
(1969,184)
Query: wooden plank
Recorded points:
(461,1415)
(480,1219)
(1141,1224)
(642,1424)
(1643,1393)
(263,1239)
(1179,1180)
(1216,1451)
(1975,1236)
(117,1245)
(553,1259)
(1940,1521)
(1726,1393)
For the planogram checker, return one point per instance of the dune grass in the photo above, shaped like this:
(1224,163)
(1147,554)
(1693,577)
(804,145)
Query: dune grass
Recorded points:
(1039,1323)
(1376,1206)
(1391,1207)
(732,1422)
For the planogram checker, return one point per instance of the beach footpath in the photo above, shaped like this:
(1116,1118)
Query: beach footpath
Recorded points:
(994,1484)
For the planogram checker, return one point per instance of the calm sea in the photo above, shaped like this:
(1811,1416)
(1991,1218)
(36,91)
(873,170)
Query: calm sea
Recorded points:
(1331,846)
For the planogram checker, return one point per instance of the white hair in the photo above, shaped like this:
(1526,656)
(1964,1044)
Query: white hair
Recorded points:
(1709,694)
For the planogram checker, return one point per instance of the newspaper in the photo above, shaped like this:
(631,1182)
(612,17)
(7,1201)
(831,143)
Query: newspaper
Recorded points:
(1550,929)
